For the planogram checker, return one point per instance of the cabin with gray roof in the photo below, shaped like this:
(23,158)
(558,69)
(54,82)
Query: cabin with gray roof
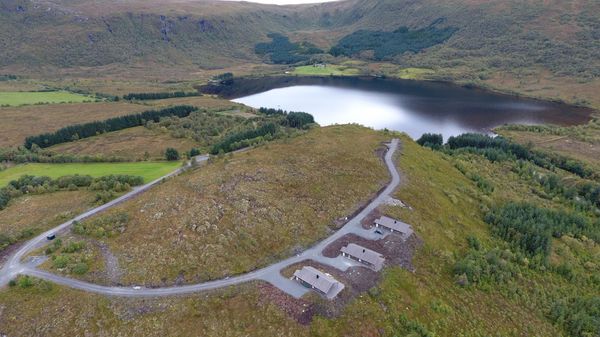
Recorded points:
(394,226)
(322,283)
(363,255)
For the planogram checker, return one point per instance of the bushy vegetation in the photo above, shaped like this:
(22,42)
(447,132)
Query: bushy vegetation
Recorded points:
(75,132)
(22,155)
(388,44)
(38,185)
(159,95)
(282,51)
(71,258)
(204,127)
(245,138)
(586,133)
(102,227)
(499,148)
(579,316)
(531,228)
(486,267)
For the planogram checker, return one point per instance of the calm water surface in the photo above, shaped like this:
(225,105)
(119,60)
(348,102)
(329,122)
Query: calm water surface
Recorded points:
(409,106)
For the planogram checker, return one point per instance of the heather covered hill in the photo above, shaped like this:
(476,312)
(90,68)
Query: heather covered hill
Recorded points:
(517,36)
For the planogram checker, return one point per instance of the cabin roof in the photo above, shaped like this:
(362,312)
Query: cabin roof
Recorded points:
(364,254)
(314,277)
(394,224)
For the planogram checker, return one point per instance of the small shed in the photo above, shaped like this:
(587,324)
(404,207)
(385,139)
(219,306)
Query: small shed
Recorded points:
(321,282)
(363,255)
(394,226)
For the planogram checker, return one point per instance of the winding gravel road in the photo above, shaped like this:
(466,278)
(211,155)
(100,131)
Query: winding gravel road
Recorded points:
(270,274)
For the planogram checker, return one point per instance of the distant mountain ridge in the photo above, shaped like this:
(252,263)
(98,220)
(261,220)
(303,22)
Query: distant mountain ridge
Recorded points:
(563,38)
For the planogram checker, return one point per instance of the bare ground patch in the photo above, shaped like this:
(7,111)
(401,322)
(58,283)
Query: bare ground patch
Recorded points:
(396,251)
(356,280)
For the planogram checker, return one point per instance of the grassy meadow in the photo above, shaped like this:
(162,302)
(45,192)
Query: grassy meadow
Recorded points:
(131,144)
(148,170)
(327,70)
(16,123)
(580,142)
(19,98)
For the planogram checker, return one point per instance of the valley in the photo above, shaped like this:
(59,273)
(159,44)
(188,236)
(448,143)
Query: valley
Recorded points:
(351,168)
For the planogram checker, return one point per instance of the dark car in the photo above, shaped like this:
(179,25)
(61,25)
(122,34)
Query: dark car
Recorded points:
(51,237)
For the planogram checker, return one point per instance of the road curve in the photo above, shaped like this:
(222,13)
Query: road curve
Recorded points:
(13,266)
(269,274)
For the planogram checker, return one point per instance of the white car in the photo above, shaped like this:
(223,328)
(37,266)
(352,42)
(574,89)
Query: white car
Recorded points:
(137,288)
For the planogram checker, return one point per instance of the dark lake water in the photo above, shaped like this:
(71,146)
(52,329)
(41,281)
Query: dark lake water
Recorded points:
(410,106)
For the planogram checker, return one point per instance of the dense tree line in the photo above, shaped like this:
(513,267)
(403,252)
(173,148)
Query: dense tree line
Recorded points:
(579,316)
(159,95)
(38,185)
(282,51)
(531,228)
(232,141)
(299,120)
(388,44)
(8,77)
(36,155)
(433,140)
(294,119)
(79,131)
(499,148)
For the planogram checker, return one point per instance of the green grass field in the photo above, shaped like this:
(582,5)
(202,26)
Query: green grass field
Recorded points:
(327,70)
(148,170)
(414,73)
(18,98)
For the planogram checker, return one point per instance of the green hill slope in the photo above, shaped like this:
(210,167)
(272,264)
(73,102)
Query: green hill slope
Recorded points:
(549,49)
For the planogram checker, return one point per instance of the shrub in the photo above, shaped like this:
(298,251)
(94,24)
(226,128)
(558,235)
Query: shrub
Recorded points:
(107,226)
(73,247)
(80,268)
(60,261)
(194,152)
(25,282)
(171,154)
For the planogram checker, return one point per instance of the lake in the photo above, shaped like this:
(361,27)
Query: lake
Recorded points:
(414,107)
